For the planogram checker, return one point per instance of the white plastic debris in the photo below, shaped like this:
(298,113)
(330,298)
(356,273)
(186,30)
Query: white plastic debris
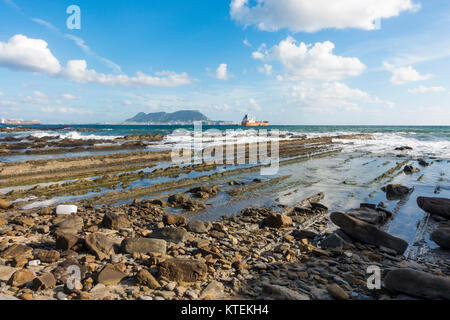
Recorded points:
(66,209)
(34,263)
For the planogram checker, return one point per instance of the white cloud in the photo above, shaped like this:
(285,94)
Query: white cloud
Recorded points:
(266,69)
(246,43)
(2,94)
(23,53)
(38,97)
(127,102)
(221,72)
(423,89)
(331,95)
(314,15)
(76,70)
(68,96)
(313,62)
(254,104)
(402,75)
(64,110)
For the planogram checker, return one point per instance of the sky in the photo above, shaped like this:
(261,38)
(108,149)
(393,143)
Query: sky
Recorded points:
(305,62)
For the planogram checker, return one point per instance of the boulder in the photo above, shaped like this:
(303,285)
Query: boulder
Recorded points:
(198,226)
(187,270)
(410,170)
(115,221)
(396,191)
(48,256)
(418,284)
(144,245)
(100,244)
(70,225)
(276,220)
(4,204)
(16,251)
(333,240)
(62,274)
(171,219)
(442,237)
(214,290)
(44,282)
(304,234)
(185,202)
(282,293)
(171,234)
(145,278)
(369,215)
(20,278)
(6,272)
(367,233)
(111,275)
(337,292)
(435,206)
(65,241)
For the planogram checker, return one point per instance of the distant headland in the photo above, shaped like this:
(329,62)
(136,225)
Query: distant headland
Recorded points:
(182,117)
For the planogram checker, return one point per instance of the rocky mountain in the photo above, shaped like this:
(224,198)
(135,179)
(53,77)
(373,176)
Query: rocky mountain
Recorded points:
(185,116)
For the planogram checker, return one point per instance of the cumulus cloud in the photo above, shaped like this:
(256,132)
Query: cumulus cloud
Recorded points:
(25,54)
(423,89)
(313,62)
(76,70)
(221,72)
(68,96)
(38,97)
(266,69)
(331,95)
(314,15)
(402,75)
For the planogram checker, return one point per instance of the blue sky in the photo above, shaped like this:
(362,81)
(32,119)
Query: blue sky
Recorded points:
(381,62)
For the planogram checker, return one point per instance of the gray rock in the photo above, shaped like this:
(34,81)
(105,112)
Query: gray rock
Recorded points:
(4,297)
(213,290)
(283,293)
(171,234)
(332,241)
(418,284)
(367,233)
(144,245)
(442,237)
(6,272)
(369,215)
(435,206)
(71,225)
(197,226)
(396,191)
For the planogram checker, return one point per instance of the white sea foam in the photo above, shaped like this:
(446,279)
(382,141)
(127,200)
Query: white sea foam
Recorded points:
(73,135)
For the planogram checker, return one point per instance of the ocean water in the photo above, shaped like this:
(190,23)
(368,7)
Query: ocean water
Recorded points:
(426,141)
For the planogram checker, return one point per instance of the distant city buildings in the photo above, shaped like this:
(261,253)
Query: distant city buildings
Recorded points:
(18,121)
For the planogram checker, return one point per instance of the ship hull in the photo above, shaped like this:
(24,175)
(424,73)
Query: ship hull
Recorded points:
(255,124)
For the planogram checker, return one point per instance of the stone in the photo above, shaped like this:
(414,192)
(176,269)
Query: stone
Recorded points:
(15,251)
(100,244)
(5,297)
(62,274)
(171,219)
(171,234)
(276,220)
(435,206)
(197,226)
(65,241)
(48,256)
(418,284)
(44,282)
(115,221)
(4,204)
(145,278)
(282,293)
(396,191)
(159,202)
(185,202)
(24,221)
(46,212)
(367,233)
(70,225)
(410,170)
(369,215)
(20,278)
(187,270)
(214,290)
(333,240)
(111,275)
(6,272)
(442,237)
(304,234)
(337,292)
(3,222)
(144,245)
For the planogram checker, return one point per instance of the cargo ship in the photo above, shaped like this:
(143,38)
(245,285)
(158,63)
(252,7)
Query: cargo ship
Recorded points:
(251,122)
